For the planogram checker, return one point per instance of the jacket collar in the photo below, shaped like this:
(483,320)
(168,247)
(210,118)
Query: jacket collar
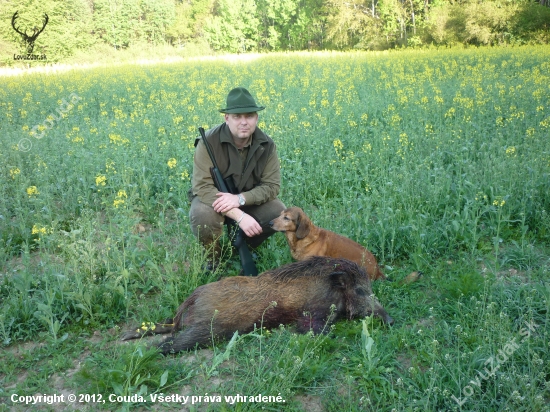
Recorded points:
(258,139)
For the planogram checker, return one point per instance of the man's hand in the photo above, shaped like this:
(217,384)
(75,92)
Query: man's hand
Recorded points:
(225,202)
(249,226)
(228,204)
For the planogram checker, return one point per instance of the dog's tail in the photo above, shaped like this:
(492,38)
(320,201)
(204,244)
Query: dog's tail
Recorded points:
(411,278)
(378,274)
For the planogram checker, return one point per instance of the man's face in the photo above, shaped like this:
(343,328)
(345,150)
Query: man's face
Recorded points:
(241,125)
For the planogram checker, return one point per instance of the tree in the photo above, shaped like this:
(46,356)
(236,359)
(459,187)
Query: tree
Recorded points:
(277,18)
(353,23)
(156,17)
(308,29)
(394,15)
(120,23)
(234,26)
(116,22)
(532,22)
(237,26)
(489,22)
(191,17)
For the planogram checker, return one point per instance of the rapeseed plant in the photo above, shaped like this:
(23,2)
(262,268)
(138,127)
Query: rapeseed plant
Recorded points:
(32,191)
(408,153)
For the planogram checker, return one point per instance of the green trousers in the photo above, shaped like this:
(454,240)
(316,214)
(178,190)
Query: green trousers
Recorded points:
(207,225)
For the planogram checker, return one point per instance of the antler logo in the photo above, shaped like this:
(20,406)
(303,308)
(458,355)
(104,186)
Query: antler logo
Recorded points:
(29,40)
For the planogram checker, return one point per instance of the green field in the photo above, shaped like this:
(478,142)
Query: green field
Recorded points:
(436,161)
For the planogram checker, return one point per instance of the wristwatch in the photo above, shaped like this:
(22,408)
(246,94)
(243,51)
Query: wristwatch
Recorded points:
(241,200)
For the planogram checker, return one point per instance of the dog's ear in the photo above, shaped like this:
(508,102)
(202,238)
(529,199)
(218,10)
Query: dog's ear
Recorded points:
(302,225)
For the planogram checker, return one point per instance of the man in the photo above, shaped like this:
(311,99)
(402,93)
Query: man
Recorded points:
(247,155)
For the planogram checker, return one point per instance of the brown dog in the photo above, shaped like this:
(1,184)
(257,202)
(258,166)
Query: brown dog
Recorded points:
(305,240)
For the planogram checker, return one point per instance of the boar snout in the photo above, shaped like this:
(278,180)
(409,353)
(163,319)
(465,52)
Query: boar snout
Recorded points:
(374,308)
(387,319)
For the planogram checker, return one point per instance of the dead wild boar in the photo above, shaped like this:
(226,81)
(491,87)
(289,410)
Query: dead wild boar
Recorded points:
(304,292)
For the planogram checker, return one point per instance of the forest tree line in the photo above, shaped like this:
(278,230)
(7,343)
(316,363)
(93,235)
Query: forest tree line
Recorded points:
(238,26)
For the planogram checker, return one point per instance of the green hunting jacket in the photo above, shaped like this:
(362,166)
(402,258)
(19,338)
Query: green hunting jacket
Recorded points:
(255,169)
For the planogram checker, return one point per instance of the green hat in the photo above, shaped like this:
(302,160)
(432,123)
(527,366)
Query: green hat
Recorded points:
(239,100)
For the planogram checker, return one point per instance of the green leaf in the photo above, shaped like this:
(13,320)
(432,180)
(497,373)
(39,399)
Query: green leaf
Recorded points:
(163,378)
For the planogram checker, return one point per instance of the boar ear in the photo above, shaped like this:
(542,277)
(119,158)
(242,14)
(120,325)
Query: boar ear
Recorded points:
(302,226)
(340,280)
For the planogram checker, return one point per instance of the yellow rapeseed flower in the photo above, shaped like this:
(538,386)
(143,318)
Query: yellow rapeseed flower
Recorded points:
(450,112)
(110,166)
(14,172)
(120,196)
(172,163)
(367,147)
(499,202)
(118,202)
(145,326)
(118,139)
(37,230)
(32,191)
(100,180)
(480,196)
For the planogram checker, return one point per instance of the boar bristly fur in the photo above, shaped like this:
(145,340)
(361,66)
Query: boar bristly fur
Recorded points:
(299,293)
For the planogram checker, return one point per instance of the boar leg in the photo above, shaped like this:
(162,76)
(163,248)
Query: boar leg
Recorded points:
(160,328)
(191,337)
(316,322)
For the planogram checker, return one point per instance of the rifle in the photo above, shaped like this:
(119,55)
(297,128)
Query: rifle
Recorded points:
(236,234)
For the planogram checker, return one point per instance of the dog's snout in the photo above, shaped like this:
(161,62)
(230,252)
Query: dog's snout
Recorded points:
(271,223)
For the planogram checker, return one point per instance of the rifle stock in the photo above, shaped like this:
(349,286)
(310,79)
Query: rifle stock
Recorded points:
(236,234)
